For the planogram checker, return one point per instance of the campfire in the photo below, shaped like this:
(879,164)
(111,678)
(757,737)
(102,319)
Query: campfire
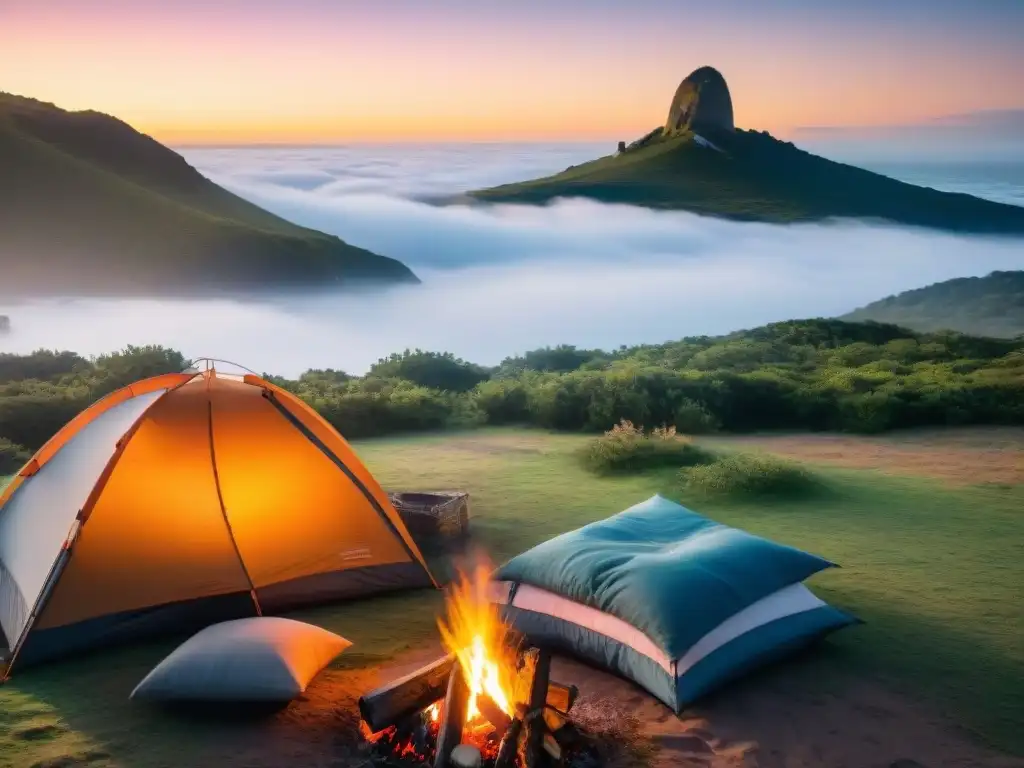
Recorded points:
(489,703)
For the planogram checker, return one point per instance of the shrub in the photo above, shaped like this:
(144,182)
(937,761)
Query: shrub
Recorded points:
(750,474)
(694,418)
(12,456)
(627,448)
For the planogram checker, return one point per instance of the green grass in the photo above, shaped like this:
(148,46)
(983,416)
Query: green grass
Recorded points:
(98,206)
(759,178)
(934,571)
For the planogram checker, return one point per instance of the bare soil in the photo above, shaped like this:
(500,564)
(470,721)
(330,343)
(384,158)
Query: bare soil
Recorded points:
(958,456)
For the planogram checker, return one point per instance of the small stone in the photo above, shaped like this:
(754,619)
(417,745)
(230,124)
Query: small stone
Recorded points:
(465,756)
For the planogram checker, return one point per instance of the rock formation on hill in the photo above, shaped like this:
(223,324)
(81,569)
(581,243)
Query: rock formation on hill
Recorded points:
(701,103)
(699,161)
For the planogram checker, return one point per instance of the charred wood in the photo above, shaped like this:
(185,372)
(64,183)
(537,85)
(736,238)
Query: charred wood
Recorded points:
(534,722)
(562,697)
(509,745)
(419,689)
(493,714)
(453,716)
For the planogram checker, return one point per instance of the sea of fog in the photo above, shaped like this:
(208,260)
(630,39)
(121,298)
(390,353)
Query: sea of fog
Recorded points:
(503,279)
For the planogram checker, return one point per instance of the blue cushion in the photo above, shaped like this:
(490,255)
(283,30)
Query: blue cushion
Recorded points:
(664,569)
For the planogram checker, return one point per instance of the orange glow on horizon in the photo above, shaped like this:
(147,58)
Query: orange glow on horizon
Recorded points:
(272,72)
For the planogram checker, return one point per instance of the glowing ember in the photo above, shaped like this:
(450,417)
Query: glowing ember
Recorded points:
(434,712)
(474,632)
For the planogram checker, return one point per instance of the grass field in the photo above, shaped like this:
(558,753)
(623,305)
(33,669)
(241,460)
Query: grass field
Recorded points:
(933,567)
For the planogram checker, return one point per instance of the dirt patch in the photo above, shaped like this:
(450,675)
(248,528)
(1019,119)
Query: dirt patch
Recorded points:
(779,721)
(960,457)
(39,733)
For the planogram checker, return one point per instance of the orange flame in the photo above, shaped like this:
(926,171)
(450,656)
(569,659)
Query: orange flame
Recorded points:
(474,632)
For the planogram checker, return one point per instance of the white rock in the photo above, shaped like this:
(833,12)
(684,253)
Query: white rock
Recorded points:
(465,756)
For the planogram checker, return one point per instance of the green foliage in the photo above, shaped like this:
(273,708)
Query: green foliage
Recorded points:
(694,418)
(801,374)
(560,359)
(628,448)
(749,473)
(42,364)
(990,306)
(12,456)
(436,370)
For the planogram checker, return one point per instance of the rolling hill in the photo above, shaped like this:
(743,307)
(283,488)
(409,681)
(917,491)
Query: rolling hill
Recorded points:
(982,306)
(699,162)
(88,205)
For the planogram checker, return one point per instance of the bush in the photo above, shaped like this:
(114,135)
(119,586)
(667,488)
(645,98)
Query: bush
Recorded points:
(694,418)
(12,456)
(750,474)
(627,448)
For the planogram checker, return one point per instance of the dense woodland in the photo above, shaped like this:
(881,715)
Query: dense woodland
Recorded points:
(796,375)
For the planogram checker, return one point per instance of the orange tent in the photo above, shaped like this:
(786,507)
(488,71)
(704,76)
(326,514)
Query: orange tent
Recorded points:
(183,500)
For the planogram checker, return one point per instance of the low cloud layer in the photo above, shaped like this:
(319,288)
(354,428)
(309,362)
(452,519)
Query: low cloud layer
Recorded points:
(503,279)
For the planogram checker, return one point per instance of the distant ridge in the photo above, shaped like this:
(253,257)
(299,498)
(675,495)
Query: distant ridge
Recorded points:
(698,161)
(88,205)
(981,306)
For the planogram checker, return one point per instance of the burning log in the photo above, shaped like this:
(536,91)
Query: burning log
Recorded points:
(562,697)
(493,714)
(402,698)
(510,743)
(554,720)
(534,721)
(453,716)
(407,695)
(552,747)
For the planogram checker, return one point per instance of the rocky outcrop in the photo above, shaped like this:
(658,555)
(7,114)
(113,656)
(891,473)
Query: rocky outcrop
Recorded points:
(702,103)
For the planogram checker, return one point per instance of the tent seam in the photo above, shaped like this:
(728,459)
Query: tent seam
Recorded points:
(316,441)
(223,509)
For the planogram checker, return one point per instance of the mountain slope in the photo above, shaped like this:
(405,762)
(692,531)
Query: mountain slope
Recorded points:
(751,176)
(89,205)
(983,306)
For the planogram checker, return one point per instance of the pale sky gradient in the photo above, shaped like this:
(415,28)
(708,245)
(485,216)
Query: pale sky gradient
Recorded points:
(193,71)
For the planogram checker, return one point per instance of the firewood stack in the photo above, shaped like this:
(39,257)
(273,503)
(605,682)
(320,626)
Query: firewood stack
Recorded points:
(539,735)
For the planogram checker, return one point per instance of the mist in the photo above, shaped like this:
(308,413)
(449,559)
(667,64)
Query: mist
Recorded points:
(499,280)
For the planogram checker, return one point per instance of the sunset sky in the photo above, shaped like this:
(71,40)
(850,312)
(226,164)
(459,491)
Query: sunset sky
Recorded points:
(195,71)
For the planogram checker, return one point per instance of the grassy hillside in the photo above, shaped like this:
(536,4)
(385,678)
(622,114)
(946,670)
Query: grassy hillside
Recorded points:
(986,306)
(752,176)
(88,204)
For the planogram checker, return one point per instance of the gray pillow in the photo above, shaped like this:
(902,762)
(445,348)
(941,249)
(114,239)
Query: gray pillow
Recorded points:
(259,659)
